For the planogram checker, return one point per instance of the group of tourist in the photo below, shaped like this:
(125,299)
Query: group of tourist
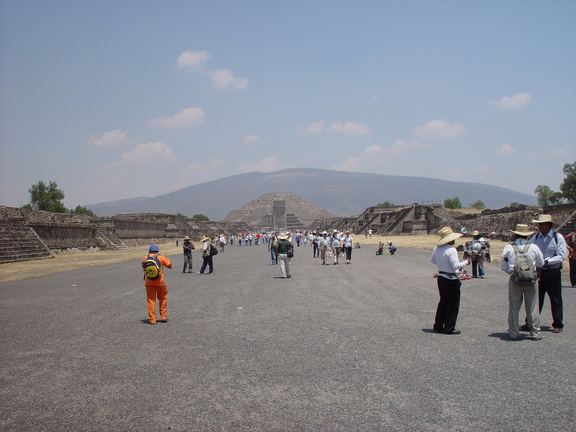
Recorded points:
(534,263)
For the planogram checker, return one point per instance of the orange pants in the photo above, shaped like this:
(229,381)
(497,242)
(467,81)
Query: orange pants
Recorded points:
(162,293)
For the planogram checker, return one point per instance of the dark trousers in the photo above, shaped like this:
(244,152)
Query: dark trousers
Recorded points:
(207,262)
(449,305)
(348,250)
(572,262)
(315,250)
(551,283)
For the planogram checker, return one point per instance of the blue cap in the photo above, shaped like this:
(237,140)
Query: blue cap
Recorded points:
(153,248)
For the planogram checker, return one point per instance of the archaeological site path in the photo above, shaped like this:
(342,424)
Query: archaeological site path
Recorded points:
(335,348)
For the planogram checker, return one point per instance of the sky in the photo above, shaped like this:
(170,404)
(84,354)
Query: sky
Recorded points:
(121,99)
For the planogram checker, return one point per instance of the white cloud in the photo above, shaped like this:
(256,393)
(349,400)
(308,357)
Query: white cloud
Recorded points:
(517,101)
(113,138)
(270,163)
(251,138)
(223,78)
(349,128)
(505,149)
(187,118)
(440,129)
(192,60)
(400,147)
(316,127)
(355,163)
(150,153)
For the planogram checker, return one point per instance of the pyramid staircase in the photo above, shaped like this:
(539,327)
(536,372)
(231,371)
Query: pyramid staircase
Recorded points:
(19,242)
(110,239)
(568,226)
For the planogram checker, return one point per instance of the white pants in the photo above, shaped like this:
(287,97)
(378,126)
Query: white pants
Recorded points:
(529,293)
(284,265)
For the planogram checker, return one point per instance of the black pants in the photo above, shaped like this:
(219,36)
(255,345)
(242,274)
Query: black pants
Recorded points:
(449,305)
(551,283)
(207,262)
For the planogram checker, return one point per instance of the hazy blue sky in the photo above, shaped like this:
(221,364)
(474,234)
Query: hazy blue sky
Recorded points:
(124,98)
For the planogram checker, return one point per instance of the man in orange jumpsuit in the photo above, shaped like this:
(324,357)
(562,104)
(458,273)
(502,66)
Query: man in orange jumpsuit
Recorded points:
(156,287)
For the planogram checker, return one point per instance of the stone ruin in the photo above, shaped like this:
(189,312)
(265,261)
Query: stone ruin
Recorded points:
(29,234)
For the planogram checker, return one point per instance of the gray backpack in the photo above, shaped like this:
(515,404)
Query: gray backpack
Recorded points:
(524,271)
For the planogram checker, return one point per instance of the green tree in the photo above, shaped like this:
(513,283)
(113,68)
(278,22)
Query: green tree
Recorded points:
(544,195)
(514,204)
(83,211)
(201,217)
(478,205)
(453,203)
(181,215)
(47,197)
(385,204)
(557,198)
(568,186)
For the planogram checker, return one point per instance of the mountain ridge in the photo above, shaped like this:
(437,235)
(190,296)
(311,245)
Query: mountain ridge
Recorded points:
(340,193)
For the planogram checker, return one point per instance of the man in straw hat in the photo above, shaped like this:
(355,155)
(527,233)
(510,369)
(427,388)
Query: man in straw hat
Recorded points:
(206,256)
(445,256)
(476,248)
(188,246)
(553,247)
(284,249)
(518,289)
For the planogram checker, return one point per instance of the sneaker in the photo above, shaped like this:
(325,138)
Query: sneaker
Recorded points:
(199,272)
(557,330)
(151,322)
(536,337)
(524,327)
(453,332)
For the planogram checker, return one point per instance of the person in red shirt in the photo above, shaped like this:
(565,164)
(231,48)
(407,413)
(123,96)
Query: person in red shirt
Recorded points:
(156,288)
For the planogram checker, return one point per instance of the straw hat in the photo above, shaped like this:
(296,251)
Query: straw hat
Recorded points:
(475,233)
(522,230)
(187,238)
(205,238)
(447,235)
(282,236)
(543,218)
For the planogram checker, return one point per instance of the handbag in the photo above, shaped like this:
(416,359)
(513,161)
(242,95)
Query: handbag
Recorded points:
(290,253)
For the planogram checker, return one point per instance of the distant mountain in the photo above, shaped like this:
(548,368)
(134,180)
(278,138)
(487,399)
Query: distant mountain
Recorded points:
(340,193)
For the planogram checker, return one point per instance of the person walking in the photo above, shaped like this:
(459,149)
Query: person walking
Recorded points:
(348,245)
(553,247)
(445,256)
(207,256)
(477,249)
(285,250)
(153,265)
(272,248)
(323,245)
(336,244)
(188,247)
(522,289)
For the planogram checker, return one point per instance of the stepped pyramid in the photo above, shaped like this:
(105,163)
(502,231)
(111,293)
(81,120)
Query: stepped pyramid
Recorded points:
(276,211)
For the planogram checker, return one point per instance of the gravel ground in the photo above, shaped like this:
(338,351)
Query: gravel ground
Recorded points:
(334,348)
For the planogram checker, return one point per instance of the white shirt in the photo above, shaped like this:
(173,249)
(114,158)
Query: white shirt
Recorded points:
(553,252)
(446,258)
(509,255)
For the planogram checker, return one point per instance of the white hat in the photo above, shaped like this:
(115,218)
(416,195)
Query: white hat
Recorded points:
(543,218)
(522,230)
(447,235)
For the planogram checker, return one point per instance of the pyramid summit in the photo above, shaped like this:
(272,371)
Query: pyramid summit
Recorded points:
(279,210)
